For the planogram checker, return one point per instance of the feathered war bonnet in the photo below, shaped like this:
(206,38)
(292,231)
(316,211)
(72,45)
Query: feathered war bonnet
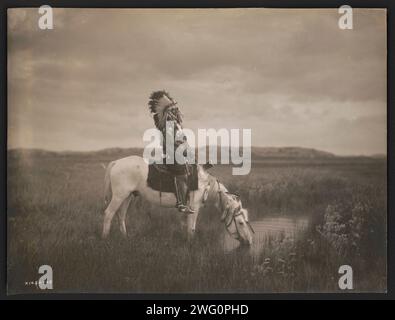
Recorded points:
(163,108)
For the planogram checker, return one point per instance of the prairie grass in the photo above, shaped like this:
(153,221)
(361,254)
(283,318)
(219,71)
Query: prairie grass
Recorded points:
(55,207)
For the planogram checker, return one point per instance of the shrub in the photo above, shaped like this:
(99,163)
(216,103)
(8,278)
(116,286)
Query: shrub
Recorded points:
(356,225)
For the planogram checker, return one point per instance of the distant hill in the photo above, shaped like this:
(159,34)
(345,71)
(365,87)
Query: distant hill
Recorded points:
(257,153)
(289,152)
(21,152)
(379,156)
(105,153)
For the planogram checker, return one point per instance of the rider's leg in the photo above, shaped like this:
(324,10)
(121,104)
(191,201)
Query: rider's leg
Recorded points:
(181,183)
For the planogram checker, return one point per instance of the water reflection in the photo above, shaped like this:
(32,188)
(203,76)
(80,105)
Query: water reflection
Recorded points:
(268,227)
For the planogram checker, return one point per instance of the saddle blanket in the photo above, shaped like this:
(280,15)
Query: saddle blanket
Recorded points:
(162,179)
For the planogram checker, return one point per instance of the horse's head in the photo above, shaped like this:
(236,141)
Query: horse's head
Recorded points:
(234,216)
(244,227)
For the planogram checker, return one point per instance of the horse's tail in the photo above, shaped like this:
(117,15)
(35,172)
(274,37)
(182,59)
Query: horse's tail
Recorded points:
(107,183)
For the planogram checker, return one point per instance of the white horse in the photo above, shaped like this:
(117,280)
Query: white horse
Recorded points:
(127,177)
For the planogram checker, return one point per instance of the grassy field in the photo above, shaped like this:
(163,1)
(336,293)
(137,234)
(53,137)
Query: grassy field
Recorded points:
(55,207)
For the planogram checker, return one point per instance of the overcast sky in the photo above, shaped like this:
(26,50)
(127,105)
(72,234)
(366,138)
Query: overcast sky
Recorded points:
(292,76)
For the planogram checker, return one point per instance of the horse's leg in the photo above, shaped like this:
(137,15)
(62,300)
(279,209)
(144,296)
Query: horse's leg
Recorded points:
(192,218)
(122,215)
(109,213)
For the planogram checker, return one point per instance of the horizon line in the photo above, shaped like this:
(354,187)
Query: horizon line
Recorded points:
(125,148)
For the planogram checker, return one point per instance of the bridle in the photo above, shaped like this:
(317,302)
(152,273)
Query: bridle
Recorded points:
(235,213)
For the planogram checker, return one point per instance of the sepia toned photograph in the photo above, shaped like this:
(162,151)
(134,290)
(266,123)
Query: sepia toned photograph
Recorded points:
(196,150)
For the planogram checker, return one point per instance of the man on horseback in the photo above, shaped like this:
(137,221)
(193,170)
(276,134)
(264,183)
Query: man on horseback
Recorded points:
(168,119)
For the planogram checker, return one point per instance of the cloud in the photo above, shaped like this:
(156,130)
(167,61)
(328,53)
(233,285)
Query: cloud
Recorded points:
(85,84)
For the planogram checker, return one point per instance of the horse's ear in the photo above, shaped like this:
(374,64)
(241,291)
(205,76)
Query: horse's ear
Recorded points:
(207,166)
(245,213)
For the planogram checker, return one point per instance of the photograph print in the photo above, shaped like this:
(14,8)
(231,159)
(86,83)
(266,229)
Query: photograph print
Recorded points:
(196,150)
